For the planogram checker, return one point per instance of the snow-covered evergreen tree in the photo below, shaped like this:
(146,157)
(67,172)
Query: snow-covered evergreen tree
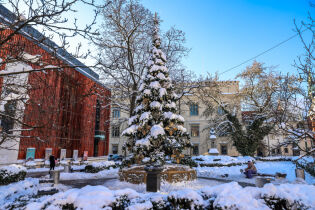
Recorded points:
(155,130)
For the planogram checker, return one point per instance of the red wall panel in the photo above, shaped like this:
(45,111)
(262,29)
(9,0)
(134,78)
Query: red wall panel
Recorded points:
(63,103)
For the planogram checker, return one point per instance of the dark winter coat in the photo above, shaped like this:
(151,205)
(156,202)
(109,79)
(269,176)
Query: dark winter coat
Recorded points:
(52,160)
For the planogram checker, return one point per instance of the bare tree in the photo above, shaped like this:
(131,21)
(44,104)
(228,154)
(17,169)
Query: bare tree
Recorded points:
(297,116)
(124,49)
(26,33)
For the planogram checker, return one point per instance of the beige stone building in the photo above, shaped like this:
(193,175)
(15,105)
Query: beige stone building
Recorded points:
(191,107)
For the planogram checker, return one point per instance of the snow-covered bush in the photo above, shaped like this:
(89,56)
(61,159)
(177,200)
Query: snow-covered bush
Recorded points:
(11,173)
(186,199)
(307,166)
(221,160)
(224,196)
(15,195)
(99,166)
(188,161)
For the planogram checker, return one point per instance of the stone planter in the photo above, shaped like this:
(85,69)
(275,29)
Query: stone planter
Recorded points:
(171,173)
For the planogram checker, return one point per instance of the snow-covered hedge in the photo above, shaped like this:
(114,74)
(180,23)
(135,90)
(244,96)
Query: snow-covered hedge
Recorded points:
(16,195)
(225,196)
(221,160)
(188,161)
(11,173)
(99,166)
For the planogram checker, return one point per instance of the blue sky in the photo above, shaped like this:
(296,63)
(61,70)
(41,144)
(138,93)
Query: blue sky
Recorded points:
(224,33)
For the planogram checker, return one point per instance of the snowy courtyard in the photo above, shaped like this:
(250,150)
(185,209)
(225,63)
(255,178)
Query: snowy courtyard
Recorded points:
(222,185)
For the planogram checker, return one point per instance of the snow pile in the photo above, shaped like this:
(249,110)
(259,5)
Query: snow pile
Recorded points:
(78,167)
(130,131)
(157,130)
(11,194)
(143,142)
(30,164)
(162,92)
(35,170)
(12,170)
(155,105)
(110,173)
(103,164)
(145,116)
(193,197)
(89,197)
(155,85)
(221,160)
(132,119)
(224,196)
(12,173)
(307,159)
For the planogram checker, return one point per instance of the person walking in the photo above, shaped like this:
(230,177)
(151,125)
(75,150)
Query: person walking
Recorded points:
(52,162)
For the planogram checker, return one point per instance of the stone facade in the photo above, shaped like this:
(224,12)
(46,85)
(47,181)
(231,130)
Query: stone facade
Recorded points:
(195,123)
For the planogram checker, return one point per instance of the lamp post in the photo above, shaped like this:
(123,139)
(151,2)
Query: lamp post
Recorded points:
(213,149)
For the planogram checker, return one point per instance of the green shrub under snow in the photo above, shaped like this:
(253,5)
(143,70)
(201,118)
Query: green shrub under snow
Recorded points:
(224,196)
(99,166)
(188,161)
(12,173)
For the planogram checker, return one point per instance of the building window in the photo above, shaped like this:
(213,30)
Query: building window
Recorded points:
(193,109)
(286,150)
(115,131)
(115,149)
(7,121)
(194,131)
(224,150)
(116,113)
(195,149)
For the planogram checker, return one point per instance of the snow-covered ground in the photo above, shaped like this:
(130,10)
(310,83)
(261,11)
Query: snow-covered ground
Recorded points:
(221,159)
(234,173)
(227,196)
(13,193)
(33,170)
(110,173)
(165,187)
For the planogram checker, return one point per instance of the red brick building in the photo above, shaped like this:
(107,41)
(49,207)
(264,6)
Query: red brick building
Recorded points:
(66,108)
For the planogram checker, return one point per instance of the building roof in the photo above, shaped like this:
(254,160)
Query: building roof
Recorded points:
(7,17)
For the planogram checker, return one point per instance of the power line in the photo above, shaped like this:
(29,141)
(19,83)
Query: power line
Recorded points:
(256,56)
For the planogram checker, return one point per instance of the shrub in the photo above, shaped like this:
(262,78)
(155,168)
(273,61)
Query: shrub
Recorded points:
(12,173)
(281,203)
(308,167)
(99,166)
(188,161)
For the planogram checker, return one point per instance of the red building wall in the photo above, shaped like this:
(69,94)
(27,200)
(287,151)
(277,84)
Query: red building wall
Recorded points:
(62,106)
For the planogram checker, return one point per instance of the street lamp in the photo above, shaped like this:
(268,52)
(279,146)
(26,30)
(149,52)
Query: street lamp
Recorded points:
(213,149)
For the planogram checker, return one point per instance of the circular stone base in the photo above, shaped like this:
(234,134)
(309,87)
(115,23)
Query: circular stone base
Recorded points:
(171,173)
